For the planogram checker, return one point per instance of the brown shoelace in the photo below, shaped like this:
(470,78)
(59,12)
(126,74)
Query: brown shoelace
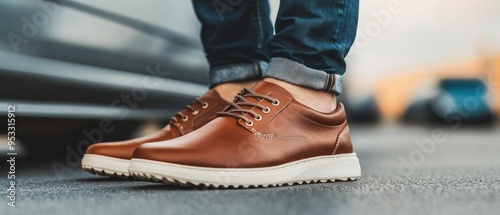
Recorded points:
(191,108)
(235,108)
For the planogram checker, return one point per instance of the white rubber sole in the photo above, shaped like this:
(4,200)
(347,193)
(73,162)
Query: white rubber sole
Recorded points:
(105,166)
(344,167)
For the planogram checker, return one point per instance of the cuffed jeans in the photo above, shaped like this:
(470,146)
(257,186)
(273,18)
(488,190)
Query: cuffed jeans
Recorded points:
(311,41)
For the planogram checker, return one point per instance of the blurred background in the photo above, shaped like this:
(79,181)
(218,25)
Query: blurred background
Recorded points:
(421,94)
(69,65)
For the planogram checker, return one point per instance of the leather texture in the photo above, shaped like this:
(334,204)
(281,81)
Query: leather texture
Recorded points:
(176,128)
(290,131)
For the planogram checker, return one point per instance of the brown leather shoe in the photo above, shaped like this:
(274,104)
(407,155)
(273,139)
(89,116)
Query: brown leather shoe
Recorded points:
(265,138)
(113,158)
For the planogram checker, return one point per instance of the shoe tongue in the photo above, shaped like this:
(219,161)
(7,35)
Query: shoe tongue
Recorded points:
(269,89)
(263,88)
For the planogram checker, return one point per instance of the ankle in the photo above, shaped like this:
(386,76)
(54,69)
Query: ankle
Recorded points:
(227,91)
(321,101)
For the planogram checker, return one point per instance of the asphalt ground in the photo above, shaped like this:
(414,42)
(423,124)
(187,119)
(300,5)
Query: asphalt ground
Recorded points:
(405,170)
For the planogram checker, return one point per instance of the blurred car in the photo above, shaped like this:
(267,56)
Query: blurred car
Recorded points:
(458,102)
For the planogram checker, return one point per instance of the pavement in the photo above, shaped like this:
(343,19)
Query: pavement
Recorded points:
(406,170)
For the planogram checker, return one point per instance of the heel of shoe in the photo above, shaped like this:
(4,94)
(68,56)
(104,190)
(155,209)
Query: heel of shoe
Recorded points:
(340,167)
(344,143)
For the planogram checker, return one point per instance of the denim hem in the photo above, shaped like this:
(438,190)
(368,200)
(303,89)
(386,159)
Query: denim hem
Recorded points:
(299,74)
(237,72)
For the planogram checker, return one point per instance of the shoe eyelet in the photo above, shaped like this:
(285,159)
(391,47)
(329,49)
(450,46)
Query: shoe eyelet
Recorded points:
(185,118)
(204,105)
(249,123)
(258,118)
(266,110)
(276,102)
(195,112)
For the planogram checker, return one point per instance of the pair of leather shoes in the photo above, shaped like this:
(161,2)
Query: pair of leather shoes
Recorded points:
(263,138)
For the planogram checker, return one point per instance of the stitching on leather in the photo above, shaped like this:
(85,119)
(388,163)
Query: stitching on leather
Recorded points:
(269,121)
(273,136)
(338,139)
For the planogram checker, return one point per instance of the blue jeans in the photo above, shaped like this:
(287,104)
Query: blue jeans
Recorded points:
(311,41)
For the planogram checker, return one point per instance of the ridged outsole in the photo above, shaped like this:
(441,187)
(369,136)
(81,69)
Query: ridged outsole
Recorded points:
(177,182)
(103,172)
